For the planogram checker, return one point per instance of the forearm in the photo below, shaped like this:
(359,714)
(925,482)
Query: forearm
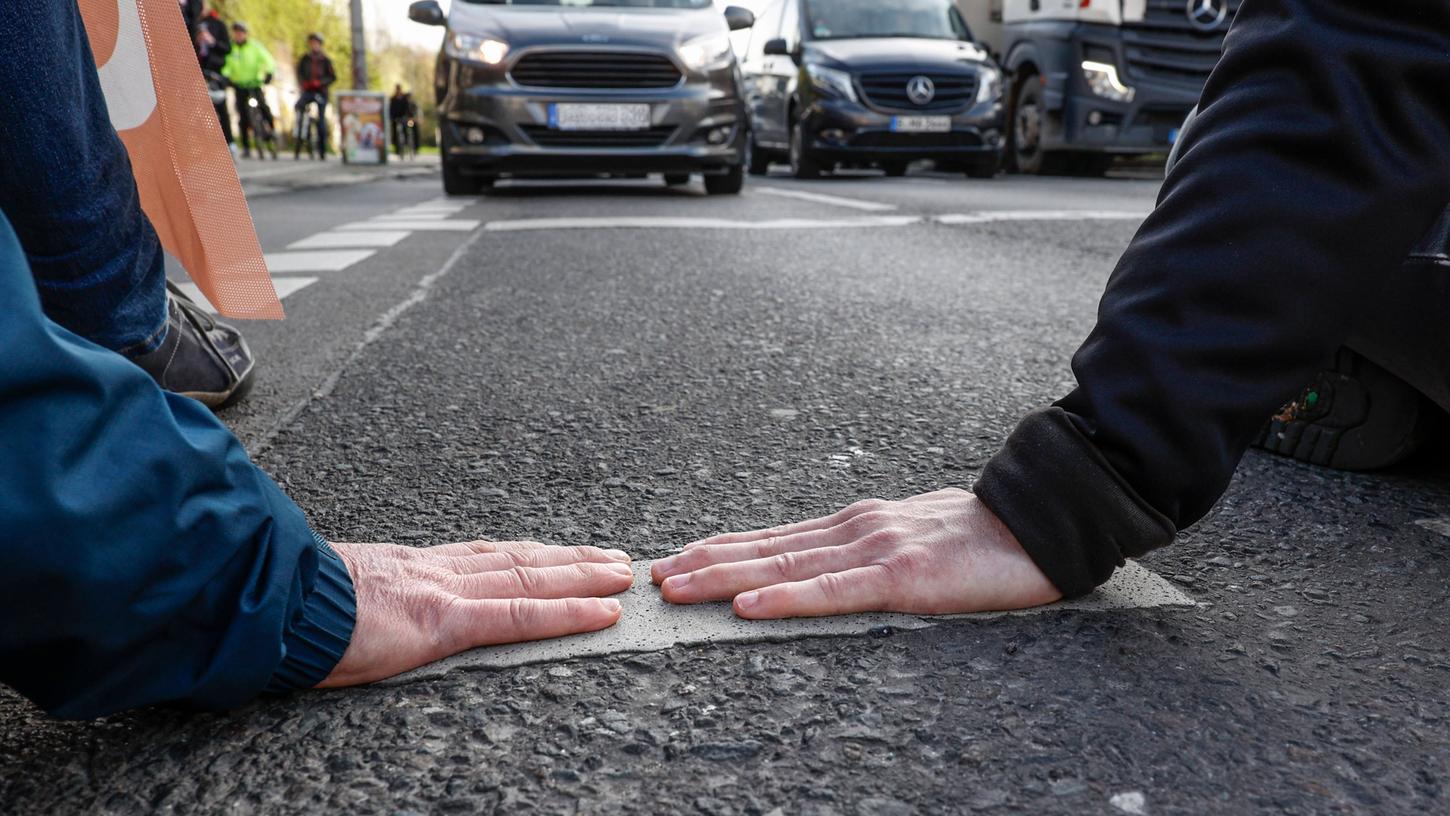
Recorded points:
(1318,160)
(145,559)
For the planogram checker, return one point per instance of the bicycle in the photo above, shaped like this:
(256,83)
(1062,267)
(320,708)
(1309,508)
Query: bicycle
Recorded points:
(308,133)
(263,133)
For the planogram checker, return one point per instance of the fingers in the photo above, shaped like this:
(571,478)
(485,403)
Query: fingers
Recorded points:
(706,555)
(534,557)
(865,589)
(723,581)
(822,523)
(471,624)
(581,580)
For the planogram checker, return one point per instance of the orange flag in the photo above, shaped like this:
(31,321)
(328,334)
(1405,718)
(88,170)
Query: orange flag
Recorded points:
(189,189)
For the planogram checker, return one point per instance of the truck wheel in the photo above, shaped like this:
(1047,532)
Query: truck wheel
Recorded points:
(895,169)
(1025,138)
(802,164)
(730,183)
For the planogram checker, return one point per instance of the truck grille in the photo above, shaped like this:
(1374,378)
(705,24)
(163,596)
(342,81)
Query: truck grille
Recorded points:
(888,90)
(596,69)
(1167,47)
(543,136)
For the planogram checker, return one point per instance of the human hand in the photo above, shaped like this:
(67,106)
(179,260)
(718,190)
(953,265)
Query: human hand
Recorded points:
(940,553)
(415,606)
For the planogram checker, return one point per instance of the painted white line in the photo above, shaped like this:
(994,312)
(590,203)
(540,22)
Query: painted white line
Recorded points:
(316,260)
(431,208)
(696,223)
(412,224)
(988,216)
(1436,525)
(649,624)
(284,287)
(351,239)
(829,200)
(427,215)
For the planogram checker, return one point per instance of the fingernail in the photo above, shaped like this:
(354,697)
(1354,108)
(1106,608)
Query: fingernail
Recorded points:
(610,605)
(620,569)
(680,581)
(747,600)
(618,555)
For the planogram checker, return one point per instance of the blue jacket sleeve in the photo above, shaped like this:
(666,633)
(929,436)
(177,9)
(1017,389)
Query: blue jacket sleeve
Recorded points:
(143,558)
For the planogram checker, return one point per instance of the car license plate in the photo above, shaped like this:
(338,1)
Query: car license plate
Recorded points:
(921,124)
(571,116)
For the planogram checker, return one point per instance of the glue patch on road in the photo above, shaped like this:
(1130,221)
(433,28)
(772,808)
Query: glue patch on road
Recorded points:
(651,625)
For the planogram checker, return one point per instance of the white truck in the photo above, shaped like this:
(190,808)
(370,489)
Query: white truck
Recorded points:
(1092,79)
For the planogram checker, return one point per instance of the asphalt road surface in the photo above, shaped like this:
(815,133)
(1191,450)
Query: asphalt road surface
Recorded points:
(634,366)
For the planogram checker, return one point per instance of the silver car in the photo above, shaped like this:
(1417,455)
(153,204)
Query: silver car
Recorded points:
(594,87)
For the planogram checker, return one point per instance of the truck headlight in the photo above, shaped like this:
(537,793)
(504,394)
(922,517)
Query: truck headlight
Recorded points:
(831,80)
(1103,79)
(707,52)
(477,49)
(989,85)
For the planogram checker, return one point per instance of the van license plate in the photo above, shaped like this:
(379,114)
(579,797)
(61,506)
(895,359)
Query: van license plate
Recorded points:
(921,124)
(569,116)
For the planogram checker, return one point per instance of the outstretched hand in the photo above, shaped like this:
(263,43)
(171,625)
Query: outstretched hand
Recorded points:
(416,606)
(940,553)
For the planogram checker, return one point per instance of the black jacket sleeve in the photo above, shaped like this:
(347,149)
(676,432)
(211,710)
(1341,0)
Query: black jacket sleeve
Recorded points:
(1321,154)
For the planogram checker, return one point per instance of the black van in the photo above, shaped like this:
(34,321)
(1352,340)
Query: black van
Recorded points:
(867,83)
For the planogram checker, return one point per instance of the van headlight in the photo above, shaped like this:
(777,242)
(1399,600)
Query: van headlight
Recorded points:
(989,85)
(706,53)
(1103,79)
(833,81)
(477,49)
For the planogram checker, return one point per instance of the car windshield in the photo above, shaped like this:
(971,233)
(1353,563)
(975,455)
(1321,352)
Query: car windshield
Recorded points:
(853,19)
(651,4)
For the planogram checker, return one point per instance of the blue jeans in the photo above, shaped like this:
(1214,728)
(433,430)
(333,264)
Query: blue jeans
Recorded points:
(67,188)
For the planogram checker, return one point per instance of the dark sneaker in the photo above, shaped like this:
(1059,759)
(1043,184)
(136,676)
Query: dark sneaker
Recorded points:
(1356,416)
(201,358)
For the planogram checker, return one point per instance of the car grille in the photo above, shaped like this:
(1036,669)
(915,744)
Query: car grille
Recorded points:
(596,69)
(1166,46)
(888,90)
(544,136)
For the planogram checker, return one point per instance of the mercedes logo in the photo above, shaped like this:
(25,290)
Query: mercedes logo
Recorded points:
(1207,15)
(921,90)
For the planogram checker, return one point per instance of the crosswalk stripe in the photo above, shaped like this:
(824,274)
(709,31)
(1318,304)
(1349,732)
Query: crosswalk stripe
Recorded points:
(414,224)
(350,240)
(284,287)
(316,260)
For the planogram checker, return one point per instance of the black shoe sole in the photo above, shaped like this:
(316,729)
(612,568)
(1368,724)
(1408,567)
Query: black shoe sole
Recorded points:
(1375,420)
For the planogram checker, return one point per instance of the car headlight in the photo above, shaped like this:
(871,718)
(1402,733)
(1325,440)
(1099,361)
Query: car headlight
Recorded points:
(1103,79)
(832,81)
(477,49)
(707,52)
(989,86)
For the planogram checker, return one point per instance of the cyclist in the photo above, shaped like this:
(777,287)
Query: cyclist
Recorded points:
(213,43)
(249,66)
(316,75)
(403,113)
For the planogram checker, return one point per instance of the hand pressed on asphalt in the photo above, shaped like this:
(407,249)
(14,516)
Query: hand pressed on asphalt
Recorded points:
(415,606)
(940,553)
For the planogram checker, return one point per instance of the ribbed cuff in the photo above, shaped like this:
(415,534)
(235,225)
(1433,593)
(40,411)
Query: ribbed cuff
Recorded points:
(1067,506)
(316,640)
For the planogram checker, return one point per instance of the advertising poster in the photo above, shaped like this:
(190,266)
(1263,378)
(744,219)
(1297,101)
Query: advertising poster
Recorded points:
(364,118)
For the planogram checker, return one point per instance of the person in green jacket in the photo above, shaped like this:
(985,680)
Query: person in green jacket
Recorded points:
(249,66)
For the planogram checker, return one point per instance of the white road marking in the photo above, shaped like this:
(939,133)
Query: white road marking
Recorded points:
(696,223)
(316,260)
(350,239)
(990,216)
(1436,525)
(425,215)
(649,624)
(284,287)
(412,224)
(431,208)
(829,200)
